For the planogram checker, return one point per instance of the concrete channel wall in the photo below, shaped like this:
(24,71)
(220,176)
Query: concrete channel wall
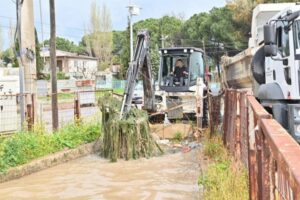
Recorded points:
(270,154)
(50,161)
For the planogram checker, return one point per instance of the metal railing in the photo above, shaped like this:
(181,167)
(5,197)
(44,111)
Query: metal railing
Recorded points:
(271,155)
(71,107)
(10,112)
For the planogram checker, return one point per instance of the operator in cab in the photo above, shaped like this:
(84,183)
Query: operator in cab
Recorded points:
(180,72)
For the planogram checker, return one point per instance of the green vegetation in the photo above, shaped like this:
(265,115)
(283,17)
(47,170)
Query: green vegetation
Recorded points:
(119,91)
(38,59)
(178,136)
(69,97)
(26,146)
(62,76)
(61,97)
(66,45)
(224,178)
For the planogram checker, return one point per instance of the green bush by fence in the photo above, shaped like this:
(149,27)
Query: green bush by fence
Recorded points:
(26,146)
(223,178)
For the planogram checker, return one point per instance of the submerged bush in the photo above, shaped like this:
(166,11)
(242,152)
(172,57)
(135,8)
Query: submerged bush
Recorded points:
(26,146)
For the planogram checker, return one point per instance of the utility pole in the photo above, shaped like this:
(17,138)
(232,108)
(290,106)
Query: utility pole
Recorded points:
(133,10)
(53,65)
(206,63)
(26,54)
(28,46)
(42,29)
(163,38)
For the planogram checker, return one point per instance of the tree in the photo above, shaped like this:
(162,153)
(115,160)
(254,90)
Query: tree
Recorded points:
(100,37)
(8,56)
(242,14)
(67,45)
(38,58)
(170,31)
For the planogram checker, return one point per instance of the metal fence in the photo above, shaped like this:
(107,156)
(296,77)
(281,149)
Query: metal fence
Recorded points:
(114,84)
(71,106)
(264,147)
(10,112)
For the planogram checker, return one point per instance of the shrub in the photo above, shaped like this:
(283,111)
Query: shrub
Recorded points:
(26,146)
(224,178)
(178,136)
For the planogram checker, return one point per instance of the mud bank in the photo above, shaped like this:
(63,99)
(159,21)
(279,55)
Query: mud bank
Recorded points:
(49,161)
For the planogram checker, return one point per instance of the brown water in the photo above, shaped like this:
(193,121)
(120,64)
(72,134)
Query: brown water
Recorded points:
(172,176)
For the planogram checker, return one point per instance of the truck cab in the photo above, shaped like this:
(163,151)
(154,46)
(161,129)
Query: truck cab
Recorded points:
(270,67)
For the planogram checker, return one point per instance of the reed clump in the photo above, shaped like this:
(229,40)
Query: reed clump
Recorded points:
(127,138)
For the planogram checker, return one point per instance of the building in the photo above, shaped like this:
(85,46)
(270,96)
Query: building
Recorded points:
(72,64)
(9,80)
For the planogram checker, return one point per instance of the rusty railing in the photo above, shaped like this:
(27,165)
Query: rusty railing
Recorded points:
(271,155)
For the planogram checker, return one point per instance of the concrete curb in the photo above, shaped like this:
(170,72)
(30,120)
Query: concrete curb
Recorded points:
(49,161)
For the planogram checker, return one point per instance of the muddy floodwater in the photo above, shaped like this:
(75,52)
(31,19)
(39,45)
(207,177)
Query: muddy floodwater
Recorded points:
(172,176)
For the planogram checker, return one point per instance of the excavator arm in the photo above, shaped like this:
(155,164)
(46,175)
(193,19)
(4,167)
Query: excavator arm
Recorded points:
(141,64)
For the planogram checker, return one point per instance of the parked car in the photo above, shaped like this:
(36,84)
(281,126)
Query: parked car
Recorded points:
(138,94)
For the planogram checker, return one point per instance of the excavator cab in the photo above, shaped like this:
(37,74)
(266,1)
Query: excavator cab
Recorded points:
(180,68)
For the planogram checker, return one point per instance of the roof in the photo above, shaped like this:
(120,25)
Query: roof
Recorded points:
(182,48)
(60,53)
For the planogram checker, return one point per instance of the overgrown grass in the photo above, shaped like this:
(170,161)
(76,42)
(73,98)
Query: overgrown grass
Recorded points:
(26,146)
(177,137)
(119,91)
(223,179)
(60,96)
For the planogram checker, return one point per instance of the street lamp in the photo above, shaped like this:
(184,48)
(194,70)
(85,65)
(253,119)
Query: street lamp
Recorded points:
(133,10)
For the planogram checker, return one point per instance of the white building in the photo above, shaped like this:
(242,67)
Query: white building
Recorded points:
(74,65)
(9,80)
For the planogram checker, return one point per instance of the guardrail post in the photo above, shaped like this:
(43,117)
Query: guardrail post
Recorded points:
(231,137)
(259,162)
(225,118)
(265,168)
(77,108)
(33,103)
(30,113)
(237,131)
(244,129)
(252,156)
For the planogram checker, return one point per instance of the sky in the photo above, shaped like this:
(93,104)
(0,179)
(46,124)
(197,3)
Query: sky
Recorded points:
(72,16)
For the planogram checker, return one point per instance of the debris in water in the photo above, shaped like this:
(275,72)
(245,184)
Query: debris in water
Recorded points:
(165,142)
(125,138)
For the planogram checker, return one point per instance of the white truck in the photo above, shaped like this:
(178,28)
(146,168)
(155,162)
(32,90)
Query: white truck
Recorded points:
(271,64)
